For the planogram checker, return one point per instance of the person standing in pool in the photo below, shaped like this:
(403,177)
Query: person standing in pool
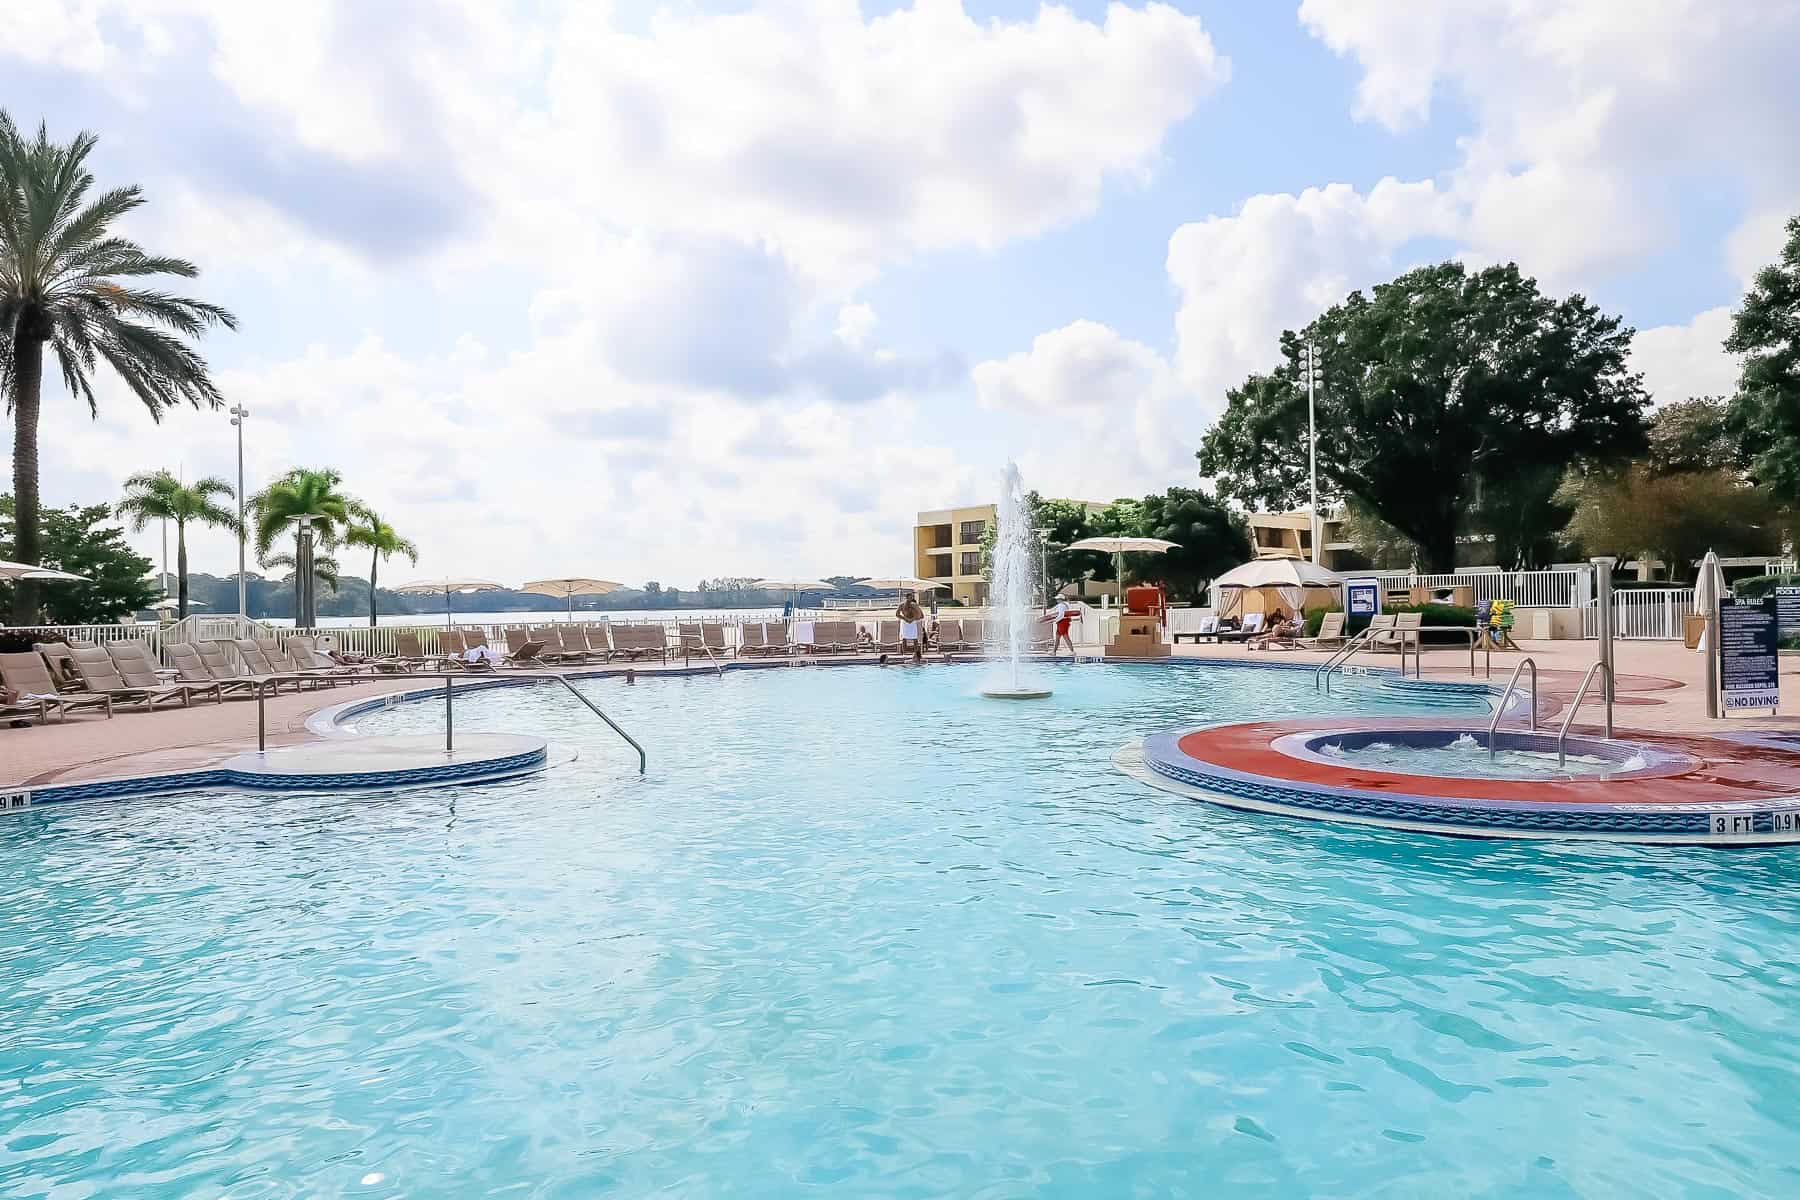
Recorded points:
(912,625)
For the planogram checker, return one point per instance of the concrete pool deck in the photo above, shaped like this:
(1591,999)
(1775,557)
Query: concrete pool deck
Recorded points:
(1658,691)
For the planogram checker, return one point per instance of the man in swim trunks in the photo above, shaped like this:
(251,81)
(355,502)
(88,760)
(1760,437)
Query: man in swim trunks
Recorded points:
(912,625)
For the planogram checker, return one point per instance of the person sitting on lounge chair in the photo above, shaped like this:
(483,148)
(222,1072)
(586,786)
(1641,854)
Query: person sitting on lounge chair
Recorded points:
(1281,632)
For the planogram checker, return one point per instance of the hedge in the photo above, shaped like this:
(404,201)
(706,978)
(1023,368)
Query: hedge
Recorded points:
(19,641)
(1432,614)
(1763,585)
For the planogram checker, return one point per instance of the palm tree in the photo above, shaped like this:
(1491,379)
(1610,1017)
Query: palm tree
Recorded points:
(159,496)
(383,541)
(308,500)
(325,568)
(63,283)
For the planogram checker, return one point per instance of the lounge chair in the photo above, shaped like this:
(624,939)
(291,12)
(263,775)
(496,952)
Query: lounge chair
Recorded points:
(1251,627)
(283,663)
(687,634)
(1405,635)
(1381,630)
(640,642)
(522,650)
(828,638)
(974,634)
(14,711)
(135,666)
(572,643)
(304,654)
(1279,636)
(224,668)
(775,639)
(59,664)
(190,668)
(27,673)
(258,665)
(599,641)
(751,641)
(949,636)
(1208,631)
(1331,633)
(887,637)
(101,676)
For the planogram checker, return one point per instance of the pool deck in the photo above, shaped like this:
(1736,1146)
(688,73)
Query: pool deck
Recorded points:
(1657,685)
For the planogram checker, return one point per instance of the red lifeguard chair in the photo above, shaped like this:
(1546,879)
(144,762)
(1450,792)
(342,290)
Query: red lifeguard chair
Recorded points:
(1141,621)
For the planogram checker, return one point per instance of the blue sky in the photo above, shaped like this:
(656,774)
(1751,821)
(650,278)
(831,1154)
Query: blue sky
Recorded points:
(746,284)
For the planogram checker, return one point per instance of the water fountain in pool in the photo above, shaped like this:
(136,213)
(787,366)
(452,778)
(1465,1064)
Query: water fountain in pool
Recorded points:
(1011,595)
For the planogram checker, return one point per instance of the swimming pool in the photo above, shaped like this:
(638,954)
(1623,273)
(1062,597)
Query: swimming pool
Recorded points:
(859,933)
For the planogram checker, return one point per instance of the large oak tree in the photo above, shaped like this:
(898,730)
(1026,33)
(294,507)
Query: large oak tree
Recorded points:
(1448,396)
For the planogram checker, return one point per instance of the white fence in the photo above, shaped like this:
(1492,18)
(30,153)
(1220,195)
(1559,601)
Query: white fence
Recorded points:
(1642,613)
(1526,589)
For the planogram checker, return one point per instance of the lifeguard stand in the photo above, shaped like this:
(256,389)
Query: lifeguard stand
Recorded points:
(1142,624)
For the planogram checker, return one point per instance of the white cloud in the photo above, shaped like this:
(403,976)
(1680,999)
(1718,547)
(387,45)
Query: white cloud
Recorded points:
(854,325)
(1682,361)
(1580,110)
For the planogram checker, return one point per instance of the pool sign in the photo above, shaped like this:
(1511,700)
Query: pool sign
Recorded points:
(1362,597)
(1749,676)
(1787,611)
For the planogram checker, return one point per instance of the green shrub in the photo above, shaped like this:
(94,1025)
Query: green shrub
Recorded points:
(19,641)
(1764,585)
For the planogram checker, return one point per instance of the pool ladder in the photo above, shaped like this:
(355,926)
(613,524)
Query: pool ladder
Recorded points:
(1562,735)
(1500,708)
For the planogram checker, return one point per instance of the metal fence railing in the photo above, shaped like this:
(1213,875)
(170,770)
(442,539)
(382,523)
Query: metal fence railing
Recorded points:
(1642,613)
(1526,589)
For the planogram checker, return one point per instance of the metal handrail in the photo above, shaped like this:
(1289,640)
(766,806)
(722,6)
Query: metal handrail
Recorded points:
(1575,706)
(687,648)
(449,707)
(1339,657)
(1500,708)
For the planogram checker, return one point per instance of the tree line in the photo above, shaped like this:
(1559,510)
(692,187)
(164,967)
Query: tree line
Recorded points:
(1458,407)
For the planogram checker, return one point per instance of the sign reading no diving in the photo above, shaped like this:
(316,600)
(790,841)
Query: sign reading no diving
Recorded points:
(1749,667)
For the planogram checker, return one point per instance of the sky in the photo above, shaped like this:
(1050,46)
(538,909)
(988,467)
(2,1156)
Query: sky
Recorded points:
(652,291)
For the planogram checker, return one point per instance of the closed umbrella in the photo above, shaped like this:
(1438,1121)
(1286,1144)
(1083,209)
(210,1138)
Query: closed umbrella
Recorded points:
(428,587)
(569,588)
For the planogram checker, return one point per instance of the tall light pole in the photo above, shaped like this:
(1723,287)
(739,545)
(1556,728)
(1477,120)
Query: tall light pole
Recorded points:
(238,413)
(1309,362)
(1044,563)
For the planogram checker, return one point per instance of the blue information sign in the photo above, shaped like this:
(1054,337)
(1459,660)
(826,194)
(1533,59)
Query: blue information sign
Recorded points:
(1362,597)
(1749,672)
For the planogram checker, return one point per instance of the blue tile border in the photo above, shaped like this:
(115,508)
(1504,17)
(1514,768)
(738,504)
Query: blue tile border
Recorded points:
(1476,817)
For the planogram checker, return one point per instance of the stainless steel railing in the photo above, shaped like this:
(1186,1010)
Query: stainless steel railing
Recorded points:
(1562,735)
(1500,708)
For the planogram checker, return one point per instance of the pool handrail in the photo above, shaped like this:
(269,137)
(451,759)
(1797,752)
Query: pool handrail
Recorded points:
(1339,657)
(1562,734)
(1500,708)
(450,709)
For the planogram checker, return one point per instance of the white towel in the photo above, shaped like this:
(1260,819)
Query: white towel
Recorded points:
(909,631)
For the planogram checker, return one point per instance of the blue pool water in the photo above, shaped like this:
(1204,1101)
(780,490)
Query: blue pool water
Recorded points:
(861,934)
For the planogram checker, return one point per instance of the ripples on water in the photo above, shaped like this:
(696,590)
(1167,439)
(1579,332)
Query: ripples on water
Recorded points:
(861,934)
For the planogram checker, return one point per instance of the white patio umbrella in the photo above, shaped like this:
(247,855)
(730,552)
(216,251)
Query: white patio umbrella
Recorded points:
(901,583)
(13,570)
(428,587)
(169,604)
(796,586)
(569,588)
(1118,547)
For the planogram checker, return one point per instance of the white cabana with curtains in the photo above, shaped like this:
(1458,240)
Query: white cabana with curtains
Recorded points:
(1291,581)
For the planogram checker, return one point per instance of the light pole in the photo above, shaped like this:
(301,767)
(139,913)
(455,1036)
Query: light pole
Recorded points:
(1315,375)
(238,413)
(1044,563)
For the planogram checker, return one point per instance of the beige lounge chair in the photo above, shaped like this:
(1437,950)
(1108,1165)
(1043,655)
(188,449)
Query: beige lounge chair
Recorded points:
(687,635)
(26,672)
(1331,633)
(751,642)
(135,666)
(635,642)
(776,643)
(304,653)
(572,642)
(257,665)
(191,668)
(225,667)
(949,636)
(522,650)
(101,677)
(60,665)
(974,634)
(887,636)
(14,711)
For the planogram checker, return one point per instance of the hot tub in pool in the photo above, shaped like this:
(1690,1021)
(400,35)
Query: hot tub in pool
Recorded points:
(1463,754)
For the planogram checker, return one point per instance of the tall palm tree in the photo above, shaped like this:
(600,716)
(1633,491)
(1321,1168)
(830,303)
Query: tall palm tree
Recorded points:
(159,496)
(68,282)
(311,503)
(382,540)
(325,568)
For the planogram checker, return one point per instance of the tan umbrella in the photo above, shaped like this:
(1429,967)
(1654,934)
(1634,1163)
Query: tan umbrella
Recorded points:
(429,587)
(568,589)
(1119,546)
(796,586)
(901,583)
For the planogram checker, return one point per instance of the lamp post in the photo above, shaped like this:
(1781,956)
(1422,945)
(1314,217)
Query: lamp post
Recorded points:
(1315,375)
(1044,563)
(238,413)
